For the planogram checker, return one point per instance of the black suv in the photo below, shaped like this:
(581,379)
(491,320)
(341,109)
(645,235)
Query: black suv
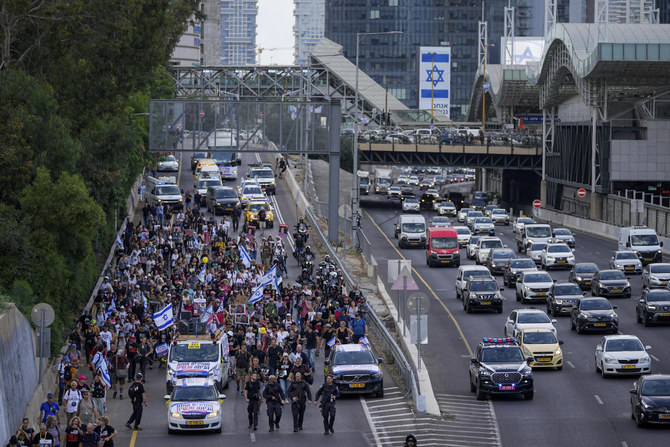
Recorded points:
(562,298)
(499,367)
(482,293)
(653,307)
(596,314)
(582,274)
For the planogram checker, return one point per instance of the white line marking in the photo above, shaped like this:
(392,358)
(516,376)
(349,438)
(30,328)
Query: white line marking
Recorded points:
(370,422)
(624,444)
(654,357)
(598,399)
(570,364)
(494,420)
(253,437)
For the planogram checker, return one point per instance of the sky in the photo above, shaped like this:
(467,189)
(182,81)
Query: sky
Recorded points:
(275,30)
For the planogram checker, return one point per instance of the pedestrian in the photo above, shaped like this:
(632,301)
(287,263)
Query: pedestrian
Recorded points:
(25,426)
(252,394)
(235,216)
(197,199)
(119,364)
(298,392)
(53,429)
(144,350)
(284,370)
(159,213)
(242,363)
(138,398)
(63,367)
(328,393)
(43,438)
(72,398)
(90,438)
(73,433)
(131,354)
(311,340)
(48,408)
(143,189)
(99,395)
(359,327)
(106,432)
(21,439)
(275,399)
(87,413)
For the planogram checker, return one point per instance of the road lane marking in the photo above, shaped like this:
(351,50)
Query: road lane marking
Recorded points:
(654,357)
(598,399)
(133,438)
(371,423)
(624,444)
(570,364)
(458,327)
(253,437)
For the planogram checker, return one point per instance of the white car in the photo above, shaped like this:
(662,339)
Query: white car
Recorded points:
(533,286)
(520,319)
(463,213)
(168,163)
(622,354)
(465,272)
(464,235)
(410,205)
(484,246)
(471,248)
(500,216)
(402,180)
(557,255)
(564,235)
(626,261)
(194,404)
(470,218)
(394,192)
(440,221)
(520,223)
(413,180)
(534,251)
(446,209)
(252,193)
(483,225)
(656,275)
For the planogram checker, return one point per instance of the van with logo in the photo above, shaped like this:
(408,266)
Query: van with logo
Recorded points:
(442,247)
(194,404)
(193,355)
(164,191)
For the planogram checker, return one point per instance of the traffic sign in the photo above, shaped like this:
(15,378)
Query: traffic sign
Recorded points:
(418,303)
(395,266)
(202,113)
(42,313)
(537,204)
(404,282)
(581,192)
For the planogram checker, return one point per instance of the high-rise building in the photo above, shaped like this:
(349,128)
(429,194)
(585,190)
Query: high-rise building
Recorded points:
(424,23)
(630,11)
(308,28)
(211,33)
(238,32)
(187,51)
(663,11)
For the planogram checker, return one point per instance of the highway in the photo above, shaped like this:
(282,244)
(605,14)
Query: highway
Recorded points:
(574,406)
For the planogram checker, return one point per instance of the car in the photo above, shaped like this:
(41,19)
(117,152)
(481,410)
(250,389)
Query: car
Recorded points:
(450,139)
(246,182)
(653,307)
(402,179)
(195,158)
(194,404)
(527,318)
(470,218)
(582,274)
(471,247)
(534,251)
(533,286)
(500,216)
(426,184)
(440,221)
(464,235)
(393,192)
(398,138)
(520,222)
(656,275)
(626,261)
(543,346)
(426,201)
(564,235)
(594,314)
(434,193)
(252,210)
(622,355)
(462,213)
(488,209)
(410,230)
(483,225)
(482,293)
(557,255)
(466,272)
(203,183)
(485,244)
(499,367)
(610,283)
(265,177)
(251,193)
(411,205)
(498,258)
(355,369)
(649,400)
(413,180)
(221,200)
(562,298)
(514,267)
(446,208)
(168,163)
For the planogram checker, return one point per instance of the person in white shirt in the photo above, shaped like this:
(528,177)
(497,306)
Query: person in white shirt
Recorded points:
(72,397)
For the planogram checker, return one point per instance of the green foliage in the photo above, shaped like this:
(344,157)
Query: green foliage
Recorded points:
(23,296)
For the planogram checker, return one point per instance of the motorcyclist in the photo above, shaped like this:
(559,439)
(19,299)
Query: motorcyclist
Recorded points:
(304,278)
(410,440)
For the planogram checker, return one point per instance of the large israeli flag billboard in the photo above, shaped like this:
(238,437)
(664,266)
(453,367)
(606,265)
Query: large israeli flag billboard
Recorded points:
(435,78)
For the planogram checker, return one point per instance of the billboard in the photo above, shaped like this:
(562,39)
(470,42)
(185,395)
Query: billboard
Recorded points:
(526,49)
(434,78)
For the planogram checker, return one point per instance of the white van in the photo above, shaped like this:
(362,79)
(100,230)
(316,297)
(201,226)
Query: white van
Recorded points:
(164,191)
(411,231)
(198,356)
(643,241)
(532,234)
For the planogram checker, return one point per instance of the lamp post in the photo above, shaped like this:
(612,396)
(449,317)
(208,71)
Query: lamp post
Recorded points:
(354,196)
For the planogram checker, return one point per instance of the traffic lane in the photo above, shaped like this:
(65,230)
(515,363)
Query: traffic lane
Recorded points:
(548,386)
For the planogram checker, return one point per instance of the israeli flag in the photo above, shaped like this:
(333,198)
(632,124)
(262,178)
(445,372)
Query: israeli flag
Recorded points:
(118,241)
(364,341)
(111,308)
(164,319)
(145,303)
(104,373)
(257,295)
(202,274)
(162,349)
(270,277)
(196,244)
(332,342)
(293,112)
(244,256)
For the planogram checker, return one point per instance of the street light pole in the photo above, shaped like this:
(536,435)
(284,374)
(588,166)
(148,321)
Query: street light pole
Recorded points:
(354,195)
(486,51)
(432,85)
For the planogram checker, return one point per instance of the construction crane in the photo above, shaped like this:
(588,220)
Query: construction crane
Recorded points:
(262,49)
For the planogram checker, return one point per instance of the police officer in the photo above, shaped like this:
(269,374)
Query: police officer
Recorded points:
(275,398)
(410,440)
(328,392)
(252,394)
(298,391)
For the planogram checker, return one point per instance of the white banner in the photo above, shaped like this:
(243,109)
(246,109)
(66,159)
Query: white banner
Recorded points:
(435,78)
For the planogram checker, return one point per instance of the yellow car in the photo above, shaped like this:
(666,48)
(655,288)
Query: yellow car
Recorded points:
(252,210)
(541,344)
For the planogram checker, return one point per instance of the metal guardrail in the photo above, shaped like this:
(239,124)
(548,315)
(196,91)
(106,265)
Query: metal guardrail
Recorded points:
(364,245)
(401,364)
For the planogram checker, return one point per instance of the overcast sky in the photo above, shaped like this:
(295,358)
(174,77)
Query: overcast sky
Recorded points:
(275,30)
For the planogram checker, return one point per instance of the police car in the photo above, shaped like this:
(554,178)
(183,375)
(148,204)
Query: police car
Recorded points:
(355,370)
(194,404)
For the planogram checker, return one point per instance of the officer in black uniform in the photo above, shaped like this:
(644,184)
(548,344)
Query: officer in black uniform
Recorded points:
(328,392)
(410,440)
(252,394)
(298,392)
(275,398)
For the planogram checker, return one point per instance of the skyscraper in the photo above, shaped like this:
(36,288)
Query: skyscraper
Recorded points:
(238,32)
(308,28)
(630,11)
